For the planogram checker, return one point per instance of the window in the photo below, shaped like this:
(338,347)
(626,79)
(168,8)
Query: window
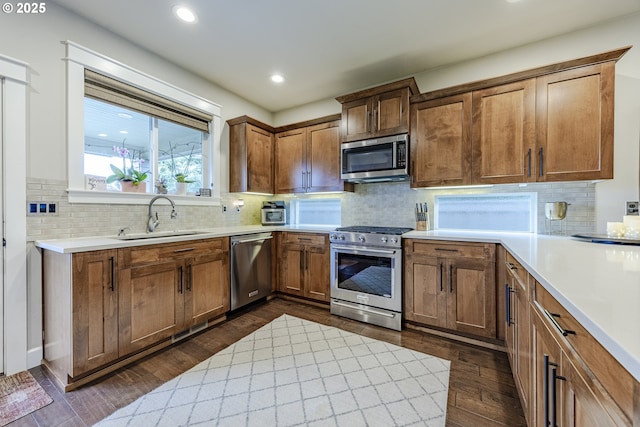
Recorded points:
(491,212)
(126,123)
(325,212)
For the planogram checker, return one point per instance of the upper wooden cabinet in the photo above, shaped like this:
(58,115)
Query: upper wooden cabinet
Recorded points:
(376,112)
(553,123)
(503,133)
(440,141)
(250,156)
(308,159)
(575,124)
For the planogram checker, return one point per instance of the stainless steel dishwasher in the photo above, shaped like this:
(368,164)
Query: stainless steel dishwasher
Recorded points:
(250,268)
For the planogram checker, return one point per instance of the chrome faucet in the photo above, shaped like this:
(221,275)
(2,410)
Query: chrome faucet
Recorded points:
(152,223)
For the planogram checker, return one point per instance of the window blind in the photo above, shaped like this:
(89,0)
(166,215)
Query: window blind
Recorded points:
(113,91)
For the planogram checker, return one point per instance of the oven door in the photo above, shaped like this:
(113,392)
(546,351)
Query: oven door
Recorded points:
(367,276)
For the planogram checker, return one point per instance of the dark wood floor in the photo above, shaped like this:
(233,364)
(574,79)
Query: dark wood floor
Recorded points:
(481,387)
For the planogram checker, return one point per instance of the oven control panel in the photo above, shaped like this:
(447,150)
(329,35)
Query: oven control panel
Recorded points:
(366,239)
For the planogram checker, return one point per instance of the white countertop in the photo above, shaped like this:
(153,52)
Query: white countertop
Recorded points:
(85,244)
(598,284)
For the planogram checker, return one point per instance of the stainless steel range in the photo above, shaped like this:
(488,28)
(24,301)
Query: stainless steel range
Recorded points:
(366,274)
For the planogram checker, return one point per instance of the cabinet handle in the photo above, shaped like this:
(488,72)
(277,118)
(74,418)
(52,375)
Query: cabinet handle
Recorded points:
(113,277)
(529,163)
(507,303)
(441,286)
(545,389)
(302,260)
(511,266)
(189,278)
(308,180)
(540,160)
(552,317)
(180,281)
(376,127)
(183,250)
(446,250)
(307,260)
(368,121)
(554,412)
(413,172)
(450,278)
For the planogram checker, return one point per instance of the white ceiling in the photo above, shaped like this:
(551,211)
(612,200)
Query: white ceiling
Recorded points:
(327,48)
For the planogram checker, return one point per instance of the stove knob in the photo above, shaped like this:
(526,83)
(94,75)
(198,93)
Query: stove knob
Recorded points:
(341,237)
(394,240)
(333,236)
(361,238)
(383,239)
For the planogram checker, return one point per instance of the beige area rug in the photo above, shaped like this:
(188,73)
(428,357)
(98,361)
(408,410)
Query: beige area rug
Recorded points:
(20,394)
(293,372)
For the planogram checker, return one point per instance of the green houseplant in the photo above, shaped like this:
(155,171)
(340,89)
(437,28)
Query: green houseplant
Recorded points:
(132,172)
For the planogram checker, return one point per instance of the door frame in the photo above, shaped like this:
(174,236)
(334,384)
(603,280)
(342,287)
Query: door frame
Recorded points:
(14,80)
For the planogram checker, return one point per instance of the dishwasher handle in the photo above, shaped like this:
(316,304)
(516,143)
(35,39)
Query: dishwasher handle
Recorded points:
(257,239)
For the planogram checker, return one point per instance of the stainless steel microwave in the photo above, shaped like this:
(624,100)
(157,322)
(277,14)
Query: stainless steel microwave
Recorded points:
(274,213)
(375,160)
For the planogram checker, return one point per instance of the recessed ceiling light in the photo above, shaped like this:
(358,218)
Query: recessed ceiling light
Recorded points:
(125,116)
(124,132)
(102,135)
(513,1)
(185,14)
(277,78)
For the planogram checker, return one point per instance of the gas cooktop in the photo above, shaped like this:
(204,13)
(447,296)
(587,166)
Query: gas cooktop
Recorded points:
(396,231)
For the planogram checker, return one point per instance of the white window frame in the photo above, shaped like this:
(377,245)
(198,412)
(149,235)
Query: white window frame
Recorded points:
(78,58)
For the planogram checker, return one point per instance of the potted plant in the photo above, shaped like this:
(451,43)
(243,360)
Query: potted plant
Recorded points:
(131,178)
(181,173)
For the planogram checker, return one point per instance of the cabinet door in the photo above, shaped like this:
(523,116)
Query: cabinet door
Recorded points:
(391,112)
(425,297)
(317,271)
(546,358)
(581,407)
(151,304)
(574,121)
(441,145)
(356,120)
(291,167)
(323,157)
(95,310)
(504,133)
(471,296)
(207,288)
(259,160)
(291,269)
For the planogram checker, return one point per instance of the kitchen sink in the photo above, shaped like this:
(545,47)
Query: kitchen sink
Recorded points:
(157,235)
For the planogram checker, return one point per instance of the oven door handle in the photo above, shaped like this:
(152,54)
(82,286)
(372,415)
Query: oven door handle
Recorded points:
(356,251)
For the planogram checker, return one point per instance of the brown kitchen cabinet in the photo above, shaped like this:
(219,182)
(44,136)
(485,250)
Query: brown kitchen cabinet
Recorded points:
(308,159)
(440,141)
(518,328)
(574,122)
(591,388)
(251,151)
(552,123)
(377,112)
(503,134)
(303,265)
(451,285)
(166,289)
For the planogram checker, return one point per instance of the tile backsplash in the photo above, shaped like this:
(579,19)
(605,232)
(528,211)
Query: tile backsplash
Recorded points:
(384,204)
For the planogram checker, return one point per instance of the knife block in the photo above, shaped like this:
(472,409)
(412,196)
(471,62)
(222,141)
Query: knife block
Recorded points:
(421,225)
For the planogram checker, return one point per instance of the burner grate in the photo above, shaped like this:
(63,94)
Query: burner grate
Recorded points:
(375,230)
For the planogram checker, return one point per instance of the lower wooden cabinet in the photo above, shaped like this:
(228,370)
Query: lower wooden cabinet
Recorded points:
(101,307)
(303,265)
(451,285)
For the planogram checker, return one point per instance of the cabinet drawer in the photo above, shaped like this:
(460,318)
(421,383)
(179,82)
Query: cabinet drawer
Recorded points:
(517,271)
(304,238)
(449,249)
(616,380)
(143,255)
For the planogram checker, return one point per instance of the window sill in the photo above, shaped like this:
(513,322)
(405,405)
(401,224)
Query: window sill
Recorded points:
(114,197)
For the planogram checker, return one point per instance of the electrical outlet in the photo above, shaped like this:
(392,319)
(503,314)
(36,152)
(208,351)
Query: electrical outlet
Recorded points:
(632,208)
(224,208)
(42,208)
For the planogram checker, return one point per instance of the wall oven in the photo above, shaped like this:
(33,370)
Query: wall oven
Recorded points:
(381,159)
(366,274)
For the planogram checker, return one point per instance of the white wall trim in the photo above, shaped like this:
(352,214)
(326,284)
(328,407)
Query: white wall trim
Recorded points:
(13,74)
(78,58)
